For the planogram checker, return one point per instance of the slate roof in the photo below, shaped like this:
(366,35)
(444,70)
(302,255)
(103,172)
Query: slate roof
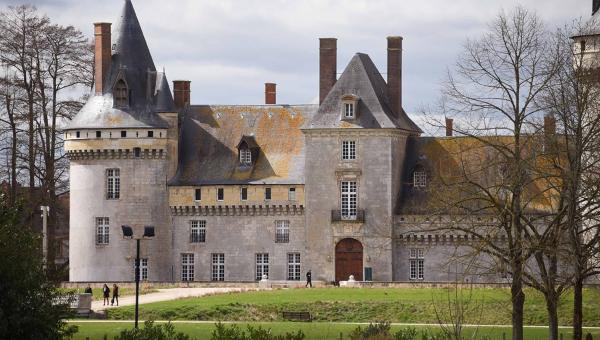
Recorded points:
(362,79)
(445,160)
(210,135)
(149,90)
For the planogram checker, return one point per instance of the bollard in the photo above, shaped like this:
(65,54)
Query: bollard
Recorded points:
(503,336)
(341,336)
(589,337)
(561,336)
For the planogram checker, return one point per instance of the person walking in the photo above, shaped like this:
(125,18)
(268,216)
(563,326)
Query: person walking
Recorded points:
(308,279)
(115,297)
(105,294)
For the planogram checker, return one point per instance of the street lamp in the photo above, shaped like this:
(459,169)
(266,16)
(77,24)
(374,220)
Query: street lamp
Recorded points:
(128,234)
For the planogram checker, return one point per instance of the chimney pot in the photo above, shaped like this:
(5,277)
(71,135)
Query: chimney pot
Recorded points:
(394,73)
(102,55)
(270,93)
(181,93)
(449,127)
(327,66)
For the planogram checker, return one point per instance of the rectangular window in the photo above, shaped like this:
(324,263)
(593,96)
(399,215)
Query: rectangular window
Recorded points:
(245,156)
(348,110)
(419,179)
(267,194)
(349,200)
(293,266)
(244,194)
(98,134)
(282,231)
(143,269)
(102,226)
(198,194)
(198,232)
(137,152)
(348,150)
(292,194)
(77,134)
(150,134)
(220,194)
(187,267)
(123,134)
(113,184)
(218,267)
(262,265)
(417,264)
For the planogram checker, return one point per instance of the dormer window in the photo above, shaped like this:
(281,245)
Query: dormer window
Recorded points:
(248,151)
(419,179)
(349,107)
(121,94)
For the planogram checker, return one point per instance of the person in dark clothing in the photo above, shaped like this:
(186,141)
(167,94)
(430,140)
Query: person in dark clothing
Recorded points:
(88,290)
(105,294)
(115,297)
(308,279)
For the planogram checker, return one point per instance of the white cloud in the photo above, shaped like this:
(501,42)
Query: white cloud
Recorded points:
(230,48)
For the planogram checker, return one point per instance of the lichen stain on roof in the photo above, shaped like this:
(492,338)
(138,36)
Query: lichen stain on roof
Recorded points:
(448,162)
(211,134)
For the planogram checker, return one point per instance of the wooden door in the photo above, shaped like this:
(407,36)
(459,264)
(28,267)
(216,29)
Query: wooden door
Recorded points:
(348,260)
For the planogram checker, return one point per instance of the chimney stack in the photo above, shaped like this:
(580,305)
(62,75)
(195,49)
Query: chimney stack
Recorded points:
(270,93)
(327,66)
(449,127)
(181,93)
(394,73)
(595,6)
(102,55)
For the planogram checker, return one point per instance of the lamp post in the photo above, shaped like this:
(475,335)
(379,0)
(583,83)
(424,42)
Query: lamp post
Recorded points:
(128,234)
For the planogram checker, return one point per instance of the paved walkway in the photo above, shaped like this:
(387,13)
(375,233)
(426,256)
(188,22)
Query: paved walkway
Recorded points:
(166,295)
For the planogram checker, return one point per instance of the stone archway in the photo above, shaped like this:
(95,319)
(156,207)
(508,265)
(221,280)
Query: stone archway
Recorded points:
(348,260)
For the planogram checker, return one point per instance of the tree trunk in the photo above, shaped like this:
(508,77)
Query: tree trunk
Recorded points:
(518,301)
(578,308)
(551,307)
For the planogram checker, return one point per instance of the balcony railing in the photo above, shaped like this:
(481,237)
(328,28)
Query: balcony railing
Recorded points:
(336,216)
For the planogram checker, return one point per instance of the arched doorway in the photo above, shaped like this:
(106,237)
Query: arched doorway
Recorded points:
(348,260)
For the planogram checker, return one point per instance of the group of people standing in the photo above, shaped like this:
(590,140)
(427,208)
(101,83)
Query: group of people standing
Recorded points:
(106,294)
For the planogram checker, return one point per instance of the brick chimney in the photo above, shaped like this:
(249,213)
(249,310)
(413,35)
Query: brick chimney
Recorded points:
(270,93)
(181,93)
(394,73)
(102,55)
(449,127)
(595,6)
(327,66)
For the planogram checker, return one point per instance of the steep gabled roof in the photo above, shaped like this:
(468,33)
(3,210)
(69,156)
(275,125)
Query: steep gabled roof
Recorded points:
(362,79)
(149,91)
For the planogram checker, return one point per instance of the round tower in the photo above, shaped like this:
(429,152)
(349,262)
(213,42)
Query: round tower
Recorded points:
(122,151)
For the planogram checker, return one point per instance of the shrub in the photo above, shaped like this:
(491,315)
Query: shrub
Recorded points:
(234,332)
(376,331)
(150,331)
(406,334)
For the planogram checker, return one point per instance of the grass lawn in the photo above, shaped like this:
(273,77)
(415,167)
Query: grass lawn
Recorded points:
(314,330)
(407,305)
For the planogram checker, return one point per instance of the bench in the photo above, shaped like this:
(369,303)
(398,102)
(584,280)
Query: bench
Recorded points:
(297,316)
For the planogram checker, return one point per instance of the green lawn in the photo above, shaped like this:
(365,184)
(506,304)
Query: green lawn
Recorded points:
(408,305)
(315,330)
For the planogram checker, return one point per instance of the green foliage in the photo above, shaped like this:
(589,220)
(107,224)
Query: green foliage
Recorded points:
(234,332)
(31,305)
(151,331)
(374,331)
(408,333)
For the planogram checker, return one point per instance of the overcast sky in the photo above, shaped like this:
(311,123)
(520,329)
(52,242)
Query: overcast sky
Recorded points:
(230,48)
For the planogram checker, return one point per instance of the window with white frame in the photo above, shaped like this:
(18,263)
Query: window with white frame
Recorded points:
(113,184)
(348,150)
(143,269)
(291,194)
(349,200)
(417,264)
(102,227)
(187,267)
(349,110)
(262,265)
(198,231)
(282,231)
(218,267)
(419,179)
(293,266)
(245,156)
